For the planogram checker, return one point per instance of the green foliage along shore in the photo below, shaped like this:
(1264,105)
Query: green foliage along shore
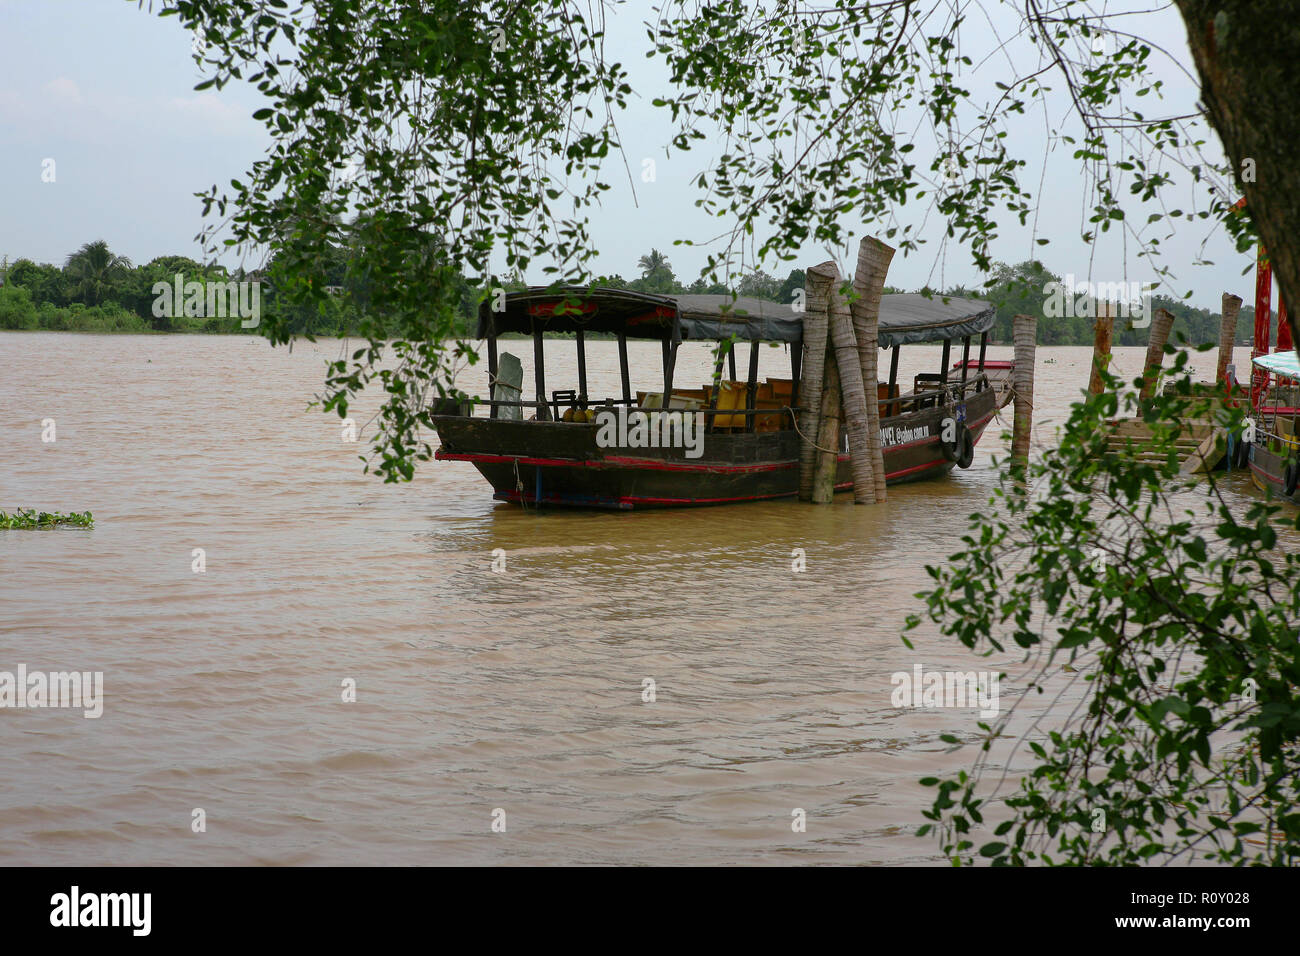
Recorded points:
(97,291)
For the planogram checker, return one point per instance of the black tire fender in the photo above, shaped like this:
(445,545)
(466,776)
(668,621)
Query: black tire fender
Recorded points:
(1240,452)
(966,444)
(951,449)
(1290,477)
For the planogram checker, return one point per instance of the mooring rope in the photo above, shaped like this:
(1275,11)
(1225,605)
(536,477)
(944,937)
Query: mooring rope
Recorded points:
(519,486)
(795,420)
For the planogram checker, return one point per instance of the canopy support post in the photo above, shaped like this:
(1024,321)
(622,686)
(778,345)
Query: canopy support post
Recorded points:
(539,374)
(947,352)
(796,356)
(582,370)
(751,390)
(670,366)
(713,392)
(622,367)
(492,372)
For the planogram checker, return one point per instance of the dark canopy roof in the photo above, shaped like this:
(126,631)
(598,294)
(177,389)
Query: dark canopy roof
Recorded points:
(911,317)
(903,318)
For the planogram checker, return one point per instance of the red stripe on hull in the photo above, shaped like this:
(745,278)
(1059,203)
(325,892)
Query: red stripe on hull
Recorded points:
(640,464)
(651,464)
(654,464)
(629,501)
(915,468)
(1263,474)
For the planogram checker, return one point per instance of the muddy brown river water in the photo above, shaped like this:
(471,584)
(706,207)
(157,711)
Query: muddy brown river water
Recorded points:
(480,696)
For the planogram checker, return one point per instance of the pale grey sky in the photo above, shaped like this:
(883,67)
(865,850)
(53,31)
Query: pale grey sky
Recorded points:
(106,91)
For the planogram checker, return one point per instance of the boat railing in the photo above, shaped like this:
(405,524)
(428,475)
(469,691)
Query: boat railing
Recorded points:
(1278,435)
(710,414)
(932,390)
(934,393)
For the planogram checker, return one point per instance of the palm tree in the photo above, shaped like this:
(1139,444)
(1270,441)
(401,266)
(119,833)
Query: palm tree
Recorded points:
(656,274)
(651,265)
(93,270)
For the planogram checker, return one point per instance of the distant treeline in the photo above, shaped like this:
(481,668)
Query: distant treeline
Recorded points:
(98,291)
(1026,288)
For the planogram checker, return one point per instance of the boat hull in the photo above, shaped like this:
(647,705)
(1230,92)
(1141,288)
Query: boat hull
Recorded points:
(1268,470)
(561,464)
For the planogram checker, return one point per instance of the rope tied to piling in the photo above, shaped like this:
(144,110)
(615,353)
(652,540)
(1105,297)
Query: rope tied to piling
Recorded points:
(1011,390)
(795,422)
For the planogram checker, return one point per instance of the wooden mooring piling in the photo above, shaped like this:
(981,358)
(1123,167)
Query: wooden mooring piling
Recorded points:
(1024,335)
(816,294)
(1101,338)
(856,417)
(874,258)
(1227,335)
(840,342)
(932,426)
(1161,322)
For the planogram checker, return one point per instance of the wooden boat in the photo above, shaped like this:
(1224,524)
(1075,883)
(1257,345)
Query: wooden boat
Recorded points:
(1202,446)
(1199,445)
(1274,454)
(749,449)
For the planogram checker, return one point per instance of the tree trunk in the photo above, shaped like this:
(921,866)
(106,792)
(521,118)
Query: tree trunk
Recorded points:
(828,434)
(1024,331)
(812,370)
(1100,347)
(1161,323)
(874,258)
(1247,54)
(844,347)
(1227,335)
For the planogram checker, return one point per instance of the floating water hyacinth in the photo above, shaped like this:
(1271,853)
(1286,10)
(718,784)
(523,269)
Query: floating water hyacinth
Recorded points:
(30,518)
